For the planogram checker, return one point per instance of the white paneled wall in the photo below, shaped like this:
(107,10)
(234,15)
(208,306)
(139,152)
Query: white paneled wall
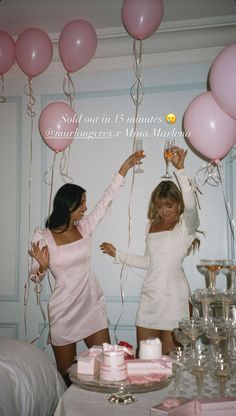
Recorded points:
(103,104)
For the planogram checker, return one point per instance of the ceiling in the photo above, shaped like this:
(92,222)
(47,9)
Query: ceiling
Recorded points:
(52,15)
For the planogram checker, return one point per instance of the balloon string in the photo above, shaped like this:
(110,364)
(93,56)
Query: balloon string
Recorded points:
(209,173)
(45,176)
(2,98)
(64,166)
(51,169)
(136,92)
(51,183)
(31,114)
(70,93)
(227,206)
(37,289)
(29,93)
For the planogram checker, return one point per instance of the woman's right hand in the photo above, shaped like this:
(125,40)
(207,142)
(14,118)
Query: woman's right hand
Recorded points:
(109,249)
(132,160)
(40,254)
(177,157)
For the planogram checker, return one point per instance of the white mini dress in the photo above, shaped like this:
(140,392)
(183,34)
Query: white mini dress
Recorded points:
(165,291)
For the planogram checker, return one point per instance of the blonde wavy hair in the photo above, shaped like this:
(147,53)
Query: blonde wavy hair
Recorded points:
(169,190)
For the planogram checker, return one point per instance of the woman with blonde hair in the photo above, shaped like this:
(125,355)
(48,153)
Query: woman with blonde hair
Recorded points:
(171,236)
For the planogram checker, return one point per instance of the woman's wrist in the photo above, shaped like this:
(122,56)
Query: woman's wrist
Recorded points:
(41,271)
(123,170)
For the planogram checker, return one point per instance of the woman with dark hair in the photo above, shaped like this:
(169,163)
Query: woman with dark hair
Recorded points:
(171,236)
(77,309)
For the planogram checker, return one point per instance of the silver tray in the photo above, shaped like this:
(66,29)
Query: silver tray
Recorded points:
(94,383)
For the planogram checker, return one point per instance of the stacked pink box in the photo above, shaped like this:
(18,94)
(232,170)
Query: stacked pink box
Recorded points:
(180,406)
(172,406)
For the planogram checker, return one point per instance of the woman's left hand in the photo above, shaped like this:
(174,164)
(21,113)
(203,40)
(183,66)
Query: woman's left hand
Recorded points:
(177,157)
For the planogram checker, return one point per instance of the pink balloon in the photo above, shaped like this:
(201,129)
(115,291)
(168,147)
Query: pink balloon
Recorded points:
(7,52)
(223,79)
(33,51)
(141,18)
(212,132)
(77,44)
(57,125)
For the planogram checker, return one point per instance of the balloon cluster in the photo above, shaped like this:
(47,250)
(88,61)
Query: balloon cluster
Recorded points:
(210,119)
(58,122)
(33,53)
(77,44)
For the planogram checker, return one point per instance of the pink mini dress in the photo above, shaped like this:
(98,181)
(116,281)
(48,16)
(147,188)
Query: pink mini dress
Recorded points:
(77,307)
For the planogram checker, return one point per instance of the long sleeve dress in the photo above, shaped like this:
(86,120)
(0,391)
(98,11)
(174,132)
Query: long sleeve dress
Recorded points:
(165,290)
(77,305)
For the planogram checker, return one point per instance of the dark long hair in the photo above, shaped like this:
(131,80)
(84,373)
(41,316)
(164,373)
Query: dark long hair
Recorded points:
(67,199)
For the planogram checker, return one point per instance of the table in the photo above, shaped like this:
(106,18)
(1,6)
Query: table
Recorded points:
(78,402)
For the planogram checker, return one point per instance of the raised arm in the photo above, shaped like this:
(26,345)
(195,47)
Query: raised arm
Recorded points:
(190,204)
(91,220)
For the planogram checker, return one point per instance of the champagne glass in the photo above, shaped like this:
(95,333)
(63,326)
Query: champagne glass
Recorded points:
(182,339)
(138,147)
(222,372)
(199,369)
(169,144)
(232,270)
(205,297)
(213,267)
(216,331)
(193,329)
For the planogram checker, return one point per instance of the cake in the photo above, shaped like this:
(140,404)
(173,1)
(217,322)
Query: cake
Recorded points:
(147,367)
(113,365)
(88,362)
(150,349)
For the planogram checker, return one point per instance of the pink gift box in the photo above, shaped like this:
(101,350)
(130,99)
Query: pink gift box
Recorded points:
(174,406)
(219,406)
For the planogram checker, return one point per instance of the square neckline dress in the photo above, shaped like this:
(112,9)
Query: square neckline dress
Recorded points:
(77,306)
(165,290)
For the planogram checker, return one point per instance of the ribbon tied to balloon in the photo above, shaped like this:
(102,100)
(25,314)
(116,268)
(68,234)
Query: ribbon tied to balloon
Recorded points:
(211,132)
(58,125)
(141,18)
(77,45)
(33,54)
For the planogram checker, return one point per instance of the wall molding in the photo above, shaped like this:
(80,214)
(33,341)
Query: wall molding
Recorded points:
(173,43)
(179,42)
(14,326)
(16,295)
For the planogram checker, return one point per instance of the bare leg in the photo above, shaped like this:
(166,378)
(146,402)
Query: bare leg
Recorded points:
(190,309)
(98,338)
(145,333)
(168,342)
(65,357)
